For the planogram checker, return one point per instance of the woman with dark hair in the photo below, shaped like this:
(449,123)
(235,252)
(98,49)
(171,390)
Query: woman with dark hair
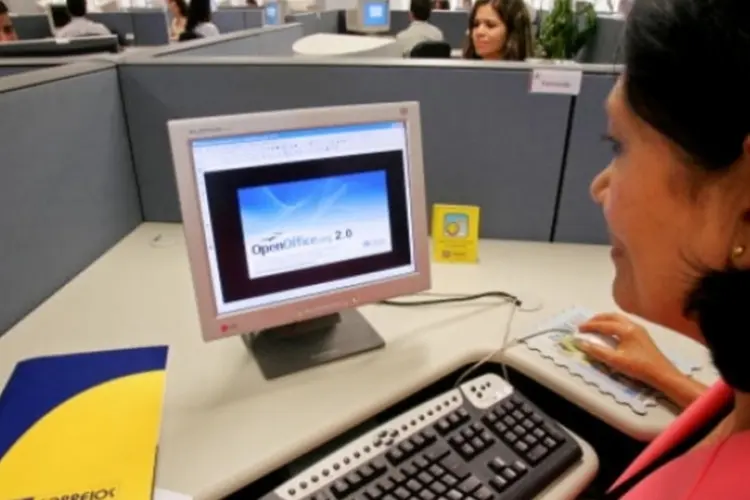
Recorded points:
(199,23)
(178,9)
(676,198)
(499,30)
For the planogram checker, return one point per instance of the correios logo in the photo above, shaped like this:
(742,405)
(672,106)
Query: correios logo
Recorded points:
(102,494)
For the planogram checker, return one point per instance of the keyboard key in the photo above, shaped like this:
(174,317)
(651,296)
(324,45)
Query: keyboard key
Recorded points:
(499,484)
(421,463)
(438,488)
(402,493)
(530,439)
(520,467)
(519,431)
(507,405)
(527,409)
(426,478)
(462,414)
(378,465)
(366,471)
(509,421)
(518,415)
(413,485)
(409,470)
(521,447)
(537,454)
(510,437)
(517,401)
(539,433)
(549,442)
(417,441)
(528,424)
(373,493)
(554,433)
(443,426)
(340,488)
(470,484)
(407,448)
(449,480)
(435,454)
(397,477)
(389,497)
(497,465)
(454,419)
(476,427)
(386,484)
(354,480)
(500,427)
(456,441)
(426,495)
(395,456)
(436,470)
(486,437)
(483,494)
(510,474)
(537,419)
(454,495)
(467,451)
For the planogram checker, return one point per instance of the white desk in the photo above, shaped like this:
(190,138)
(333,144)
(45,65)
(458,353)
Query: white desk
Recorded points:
(225,426)
(335,45)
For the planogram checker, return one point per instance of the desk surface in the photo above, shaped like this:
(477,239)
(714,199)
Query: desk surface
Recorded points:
(225,426)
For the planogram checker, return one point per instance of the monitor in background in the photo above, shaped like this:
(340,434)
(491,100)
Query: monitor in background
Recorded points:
(274,12)
(370,16)
(51,47)
(293,219)
(58,16)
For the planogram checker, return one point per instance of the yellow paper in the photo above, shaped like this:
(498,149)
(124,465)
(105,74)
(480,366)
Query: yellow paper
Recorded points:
(455,233)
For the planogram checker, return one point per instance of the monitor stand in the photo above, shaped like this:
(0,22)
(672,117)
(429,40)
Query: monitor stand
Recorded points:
(298,346)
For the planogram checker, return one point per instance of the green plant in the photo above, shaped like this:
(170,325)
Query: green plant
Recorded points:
(567,29)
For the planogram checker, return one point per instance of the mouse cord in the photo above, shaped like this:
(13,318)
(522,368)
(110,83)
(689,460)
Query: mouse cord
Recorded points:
(504,346)
(500,350)
(452,299)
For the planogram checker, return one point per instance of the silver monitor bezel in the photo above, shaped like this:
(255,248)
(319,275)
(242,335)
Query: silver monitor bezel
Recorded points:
(183,132)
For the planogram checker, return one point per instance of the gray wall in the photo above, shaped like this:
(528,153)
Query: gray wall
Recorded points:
(605,47)
(317,22)
(67,188)
(496,146)
(579,220)
(229,20)
(15,66)
(268,41)
(30,27)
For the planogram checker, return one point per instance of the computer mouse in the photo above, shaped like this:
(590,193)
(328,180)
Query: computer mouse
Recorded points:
(596,339)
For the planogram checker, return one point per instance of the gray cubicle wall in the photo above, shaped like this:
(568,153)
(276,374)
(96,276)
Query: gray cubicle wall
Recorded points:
(12,66)
(316,22)
(229,20)
(119,23)
(606,46)
(32,26)
(150,26)
(579,219)
(453,24)
(254,18)
(268,41)
(487,141)
(67,186)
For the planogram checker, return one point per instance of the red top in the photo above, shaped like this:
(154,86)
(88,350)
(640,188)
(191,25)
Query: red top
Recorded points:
(720,471)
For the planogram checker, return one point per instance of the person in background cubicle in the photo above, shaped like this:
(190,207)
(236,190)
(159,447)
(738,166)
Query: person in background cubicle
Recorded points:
(442,5)
(199,23)
(79,25)
(676,199)
(420,30)
(7,31)
(499,30)
(178,9)
(252,3)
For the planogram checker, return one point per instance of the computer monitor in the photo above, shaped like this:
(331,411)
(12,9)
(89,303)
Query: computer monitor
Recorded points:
(50,47)
(370,16)
(293,219)
(275,12)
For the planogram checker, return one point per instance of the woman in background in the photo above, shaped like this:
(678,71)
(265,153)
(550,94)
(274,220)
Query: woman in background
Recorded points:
(499,30)
(199,23)
(179,11)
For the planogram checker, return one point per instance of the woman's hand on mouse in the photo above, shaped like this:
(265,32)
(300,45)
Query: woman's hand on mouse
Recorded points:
(636,354)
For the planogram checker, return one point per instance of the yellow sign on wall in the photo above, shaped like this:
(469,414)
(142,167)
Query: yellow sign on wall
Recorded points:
(455,233)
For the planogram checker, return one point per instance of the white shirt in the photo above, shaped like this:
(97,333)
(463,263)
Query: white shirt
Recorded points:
(80,26)
(417,32)
(206,30)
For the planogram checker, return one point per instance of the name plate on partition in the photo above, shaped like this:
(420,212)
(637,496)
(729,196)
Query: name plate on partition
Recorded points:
(556,81)
(455,233)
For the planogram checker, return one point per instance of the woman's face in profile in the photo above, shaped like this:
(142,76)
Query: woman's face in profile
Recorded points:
(488,33)
(173,8)
(662,219)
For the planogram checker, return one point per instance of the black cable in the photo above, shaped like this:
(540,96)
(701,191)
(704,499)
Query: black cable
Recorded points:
(458,298)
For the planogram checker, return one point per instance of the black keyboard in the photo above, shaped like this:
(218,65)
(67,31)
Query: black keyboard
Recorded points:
(482,441)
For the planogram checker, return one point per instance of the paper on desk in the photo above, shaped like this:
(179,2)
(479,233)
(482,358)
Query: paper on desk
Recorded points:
(558,347)
(160,494)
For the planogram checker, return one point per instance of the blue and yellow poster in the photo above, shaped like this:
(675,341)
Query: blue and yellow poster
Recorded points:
(82,426)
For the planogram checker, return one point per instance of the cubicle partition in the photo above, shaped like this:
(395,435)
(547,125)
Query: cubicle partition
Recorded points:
(12,66)
(268,41)
(579,220)
(32,26)
(487,140)
(453,24)
(606,46)
(150,26)
(229,19)
(316,22)
(67,186)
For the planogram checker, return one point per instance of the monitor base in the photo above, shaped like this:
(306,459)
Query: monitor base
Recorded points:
(298,346)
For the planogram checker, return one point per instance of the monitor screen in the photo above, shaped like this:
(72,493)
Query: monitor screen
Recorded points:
(299,213)
(272,13)
(375,14)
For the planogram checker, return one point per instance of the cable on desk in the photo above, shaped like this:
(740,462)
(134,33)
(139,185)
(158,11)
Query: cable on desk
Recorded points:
(453,299)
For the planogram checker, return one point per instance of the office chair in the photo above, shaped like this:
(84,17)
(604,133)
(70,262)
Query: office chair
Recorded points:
(431,50)
(186,36)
